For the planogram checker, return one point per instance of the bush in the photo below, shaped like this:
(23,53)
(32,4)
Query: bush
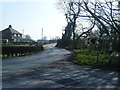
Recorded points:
(19,50)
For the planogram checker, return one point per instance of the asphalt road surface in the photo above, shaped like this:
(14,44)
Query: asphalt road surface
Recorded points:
(50,69)
(18,65)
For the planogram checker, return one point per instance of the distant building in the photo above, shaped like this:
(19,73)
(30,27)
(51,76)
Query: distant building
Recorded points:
(11,35)
(42,41)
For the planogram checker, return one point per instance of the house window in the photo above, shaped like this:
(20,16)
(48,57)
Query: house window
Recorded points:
(15,35)
(18,34)
(15,40)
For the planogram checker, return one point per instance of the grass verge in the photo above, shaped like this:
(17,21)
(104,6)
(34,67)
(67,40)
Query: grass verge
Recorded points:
(87,57)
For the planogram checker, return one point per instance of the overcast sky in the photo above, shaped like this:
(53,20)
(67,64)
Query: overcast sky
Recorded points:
(31,16)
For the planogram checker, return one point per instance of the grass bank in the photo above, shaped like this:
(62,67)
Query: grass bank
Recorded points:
(90,58)
(93,57)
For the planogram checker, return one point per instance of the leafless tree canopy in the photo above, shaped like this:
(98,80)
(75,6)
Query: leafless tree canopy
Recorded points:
(85,16)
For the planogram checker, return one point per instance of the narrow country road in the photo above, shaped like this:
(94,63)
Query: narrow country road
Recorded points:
(18,65)
(50,69)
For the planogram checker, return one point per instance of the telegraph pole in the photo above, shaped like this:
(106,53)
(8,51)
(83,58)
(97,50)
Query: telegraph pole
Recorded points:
(42,34)
(23,33)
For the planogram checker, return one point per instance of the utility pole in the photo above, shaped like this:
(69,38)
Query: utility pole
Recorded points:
(42,34)
(23,33)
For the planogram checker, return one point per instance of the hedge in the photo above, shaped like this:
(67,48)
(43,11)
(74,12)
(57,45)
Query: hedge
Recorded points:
(19,50)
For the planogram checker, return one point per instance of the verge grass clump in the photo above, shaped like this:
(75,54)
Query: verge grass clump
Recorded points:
(88,57)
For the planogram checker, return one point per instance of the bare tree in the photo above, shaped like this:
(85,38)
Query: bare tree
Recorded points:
(101,14)
(72,9)
(105,15)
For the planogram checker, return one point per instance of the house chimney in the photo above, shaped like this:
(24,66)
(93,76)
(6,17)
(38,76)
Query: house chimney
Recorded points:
(10,26)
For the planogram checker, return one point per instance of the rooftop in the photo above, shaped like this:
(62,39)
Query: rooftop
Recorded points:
(11,30)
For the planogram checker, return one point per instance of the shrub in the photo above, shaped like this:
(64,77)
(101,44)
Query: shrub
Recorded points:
(19,50)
